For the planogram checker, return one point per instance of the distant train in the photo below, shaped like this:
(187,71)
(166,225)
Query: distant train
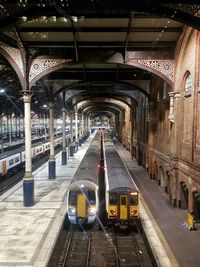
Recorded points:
(11,160)
(121,192)
(82,194)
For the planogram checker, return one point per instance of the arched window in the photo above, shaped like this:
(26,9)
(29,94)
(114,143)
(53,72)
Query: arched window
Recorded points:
(164,90)
(188,85)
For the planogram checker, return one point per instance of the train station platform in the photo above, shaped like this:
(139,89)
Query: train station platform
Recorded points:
(28,235)
(167,223)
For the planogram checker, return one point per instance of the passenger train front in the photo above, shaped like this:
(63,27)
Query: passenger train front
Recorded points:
(122,194)
(82,195)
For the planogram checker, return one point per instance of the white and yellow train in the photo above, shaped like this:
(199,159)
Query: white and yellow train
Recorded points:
(82,194)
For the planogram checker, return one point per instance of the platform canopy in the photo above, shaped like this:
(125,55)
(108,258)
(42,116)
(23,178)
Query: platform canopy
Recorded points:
(97,37)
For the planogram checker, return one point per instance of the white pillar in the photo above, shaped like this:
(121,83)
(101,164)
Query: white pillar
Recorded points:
(76,129)
(51,130)
(52,163)
(71,152)
(171,107)
(82,125)
(76,124)
(28,182)
(64,152)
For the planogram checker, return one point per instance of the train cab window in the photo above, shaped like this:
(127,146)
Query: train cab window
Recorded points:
(134,199)
(113,199)
(123,200)
(72,198)
(91,197)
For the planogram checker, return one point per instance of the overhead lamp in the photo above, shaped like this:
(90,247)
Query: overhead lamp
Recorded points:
(24,19)
(63,19)
(74,18)
(43,19)
(52,19)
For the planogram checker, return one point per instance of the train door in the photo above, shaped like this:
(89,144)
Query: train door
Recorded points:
(81,205)
(123,207)
(4,170)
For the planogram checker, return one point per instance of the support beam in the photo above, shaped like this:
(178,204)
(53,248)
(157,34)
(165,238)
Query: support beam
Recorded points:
(28,181)
(64,151)
(52,161)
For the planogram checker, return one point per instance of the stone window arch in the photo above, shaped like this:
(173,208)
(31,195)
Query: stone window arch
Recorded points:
(187,108)
(188,84)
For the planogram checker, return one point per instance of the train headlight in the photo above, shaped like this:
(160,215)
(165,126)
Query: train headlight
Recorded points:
(133,213)
(72,211)
(92,211)
(113,213)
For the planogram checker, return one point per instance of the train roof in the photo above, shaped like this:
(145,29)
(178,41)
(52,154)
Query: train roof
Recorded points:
(82,184)
(11,152)
(123,189)
(118,177)
(89,167)
(19,150)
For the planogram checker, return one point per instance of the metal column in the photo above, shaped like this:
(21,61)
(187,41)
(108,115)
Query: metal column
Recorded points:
(80,130)
(52,162)
(76,129)
(28,181)
(71,136)
(64,152)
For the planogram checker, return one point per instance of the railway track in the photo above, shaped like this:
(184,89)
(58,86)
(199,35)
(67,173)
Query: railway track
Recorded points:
(94,248)
(128,251)
(77,249)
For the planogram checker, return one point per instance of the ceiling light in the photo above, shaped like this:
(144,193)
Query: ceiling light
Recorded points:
(75,19)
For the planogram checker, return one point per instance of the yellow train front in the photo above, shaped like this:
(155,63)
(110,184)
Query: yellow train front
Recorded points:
(122,194)
(122,207)
(82,202)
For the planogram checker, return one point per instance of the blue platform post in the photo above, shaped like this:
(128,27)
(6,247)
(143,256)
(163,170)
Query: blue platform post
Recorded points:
(28,192)
(71,150)
(64,157)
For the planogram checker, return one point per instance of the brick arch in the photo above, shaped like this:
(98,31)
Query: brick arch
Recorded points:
(160,67)
(13,56)
(42,66)
(185,75)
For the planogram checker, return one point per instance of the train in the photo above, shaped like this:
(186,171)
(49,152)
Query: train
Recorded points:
(82,193)
(121,192)
(12,160)
(116,203)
